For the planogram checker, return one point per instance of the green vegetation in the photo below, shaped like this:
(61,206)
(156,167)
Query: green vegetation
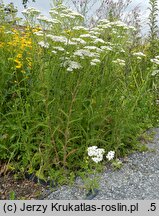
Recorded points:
(65,87)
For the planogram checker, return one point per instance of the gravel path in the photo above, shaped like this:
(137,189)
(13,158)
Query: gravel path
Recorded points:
(137,179)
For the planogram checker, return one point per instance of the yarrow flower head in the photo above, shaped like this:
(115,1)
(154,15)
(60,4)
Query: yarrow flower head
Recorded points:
(56,38)
(99,40)
(95,61)
(59,48)
(92,150)
(110,155)
(79,40)
(43,44)
(108,48)
(39,33)
(155,72)
(71,65)
(96,153)
(85,53)
(155,61)
(79,28)
(30,11)
(88,36)
(119,62)
(139,54)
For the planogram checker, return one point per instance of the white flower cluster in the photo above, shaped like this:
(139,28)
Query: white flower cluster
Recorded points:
(155,72)
(58,48)
(155,60)
(79,28)
(88,36)
(95,33)
(96,154)
(95,62)
(103,21)
(69,42)
(93,48)
(110,155)
(43,44)
(71,65)
(43,19)
(79,40)
(99,40)
(85,53)
(139,55)
(108,48)
(119,62)
(53,12)
(56,38)
(106,24)
(83,44)
(63,12)
(30,11)
(39,33)
(31,15)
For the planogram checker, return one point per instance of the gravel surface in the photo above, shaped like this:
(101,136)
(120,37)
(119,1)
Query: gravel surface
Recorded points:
(137,179)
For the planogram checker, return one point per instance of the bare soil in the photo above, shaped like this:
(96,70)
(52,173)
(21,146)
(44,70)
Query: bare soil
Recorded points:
(18,188)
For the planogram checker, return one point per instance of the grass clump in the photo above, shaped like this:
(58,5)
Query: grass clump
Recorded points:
(65,87)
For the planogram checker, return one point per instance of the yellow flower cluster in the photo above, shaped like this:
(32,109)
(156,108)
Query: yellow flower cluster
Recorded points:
(20,45)
(16,47)
(2,29)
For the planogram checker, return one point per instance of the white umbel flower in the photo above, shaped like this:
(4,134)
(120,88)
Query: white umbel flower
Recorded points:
(99,40)
(69,42)
(88,36)
(95,61)
(39,33)
(93,48)
(104,21)
(55,38)
(119,62)
(110,155)
(91,150)
(155,61)
(54,52)
(95,153)
(79,40)
(30,11)
(155,72)
(76,14)
(85,53)
(43,44)
(157,57)
(59,48)
(53,12)
(139,54)
(109,48)
(97,159)
(72,65)
(79,28)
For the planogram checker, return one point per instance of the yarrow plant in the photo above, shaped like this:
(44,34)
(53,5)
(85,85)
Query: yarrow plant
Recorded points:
(64,86)
(96,154)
